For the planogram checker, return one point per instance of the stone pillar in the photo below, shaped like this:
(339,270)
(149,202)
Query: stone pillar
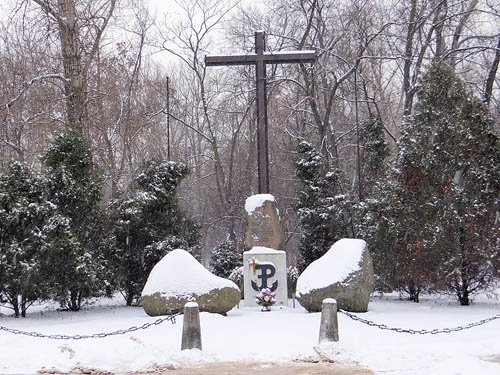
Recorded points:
(329,328)
(263,223)
(265,268)
(191,330)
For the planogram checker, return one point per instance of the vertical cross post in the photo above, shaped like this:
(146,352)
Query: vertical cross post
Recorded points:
(262,137)
(260,58)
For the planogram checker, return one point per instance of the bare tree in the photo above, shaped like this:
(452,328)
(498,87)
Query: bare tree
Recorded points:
(29,94)
(215,117)
(80,25)
(124,107)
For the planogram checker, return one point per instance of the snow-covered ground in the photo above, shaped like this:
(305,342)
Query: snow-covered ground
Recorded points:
(248,334)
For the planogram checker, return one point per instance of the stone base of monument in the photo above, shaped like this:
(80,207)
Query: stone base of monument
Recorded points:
(264,268)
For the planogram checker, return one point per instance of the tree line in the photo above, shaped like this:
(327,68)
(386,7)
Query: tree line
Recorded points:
(57,242)
(86,66)
(432,216)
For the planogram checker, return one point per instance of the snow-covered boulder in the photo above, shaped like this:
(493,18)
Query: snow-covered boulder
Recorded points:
(179,278)
(344,273)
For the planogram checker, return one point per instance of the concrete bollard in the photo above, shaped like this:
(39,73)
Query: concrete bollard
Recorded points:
(329,329)
(191,331)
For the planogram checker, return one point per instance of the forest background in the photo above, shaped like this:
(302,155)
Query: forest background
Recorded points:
(99,68)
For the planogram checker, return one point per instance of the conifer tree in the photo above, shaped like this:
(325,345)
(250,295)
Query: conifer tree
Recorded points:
(79,263)
(374,154)
(24,237)
(324,208)
(435,225)
(149,224)
(225,258)
(468,185)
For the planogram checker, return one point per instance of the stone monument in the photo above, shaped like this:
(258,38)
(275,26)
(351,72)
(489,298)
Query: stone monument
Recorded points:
(265,268)
(264,264)
(263,223)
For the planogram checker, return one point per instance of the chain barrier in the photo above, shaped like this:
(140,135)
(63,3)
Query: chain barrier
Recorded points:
(419,331)
(171,318)
(157,322)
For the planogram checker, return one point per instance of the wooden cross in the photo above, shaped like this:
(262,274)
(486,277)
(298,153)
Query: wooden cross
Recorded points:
(260,58)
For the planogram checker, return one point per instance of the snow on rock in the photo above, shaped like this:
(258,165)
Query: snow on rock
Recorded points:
(171,271)
(344,273)
(334,266)
(258,200)
(179,278)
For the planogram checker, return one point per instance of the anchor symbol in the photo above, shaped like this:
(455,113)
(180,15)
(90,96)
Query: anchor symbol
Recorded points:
(267,271)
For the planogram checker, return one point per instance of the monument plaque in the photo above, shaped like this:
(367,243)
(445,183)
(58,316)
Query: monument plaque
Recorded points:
(265,268)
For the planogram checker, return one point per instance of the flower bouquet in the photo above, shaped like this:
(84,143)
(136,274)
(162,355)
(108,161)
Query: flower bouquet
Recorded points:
(265,298)
(236,276)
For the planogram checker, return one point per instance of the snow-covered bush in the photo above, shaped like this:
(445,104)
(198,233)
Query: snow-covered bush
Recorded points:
(79,262)
(323,208)
(149,224)
(24,237)
(225,258)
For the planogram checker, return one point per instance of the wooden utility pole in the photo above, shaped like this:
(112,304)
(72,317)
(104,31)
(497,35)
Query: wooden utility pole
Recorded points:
(168,120)
(260,59)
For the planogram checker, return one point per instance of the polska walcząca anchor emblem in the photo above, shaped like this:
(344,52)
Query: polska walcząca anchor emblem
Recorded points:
(267,271)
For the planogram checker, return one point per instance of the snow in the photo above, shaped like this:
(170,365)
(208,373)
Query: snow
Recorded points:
(263,250)
(248,335)
(343,258)
(191,304)
(329,300)
(258,200)
(179,271)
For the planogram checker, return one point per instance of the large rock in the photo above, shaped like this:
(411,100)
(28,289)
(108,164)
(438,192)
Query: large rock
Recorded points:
(344,273)
(179,278)
(264,227)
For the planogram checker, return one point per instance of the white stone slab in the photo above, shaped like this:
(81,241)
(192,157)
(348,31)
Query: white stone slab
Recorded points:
(264,267)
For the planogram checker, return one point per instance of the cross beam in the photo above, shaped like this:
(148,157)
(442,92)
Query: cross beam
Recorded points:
(260,59)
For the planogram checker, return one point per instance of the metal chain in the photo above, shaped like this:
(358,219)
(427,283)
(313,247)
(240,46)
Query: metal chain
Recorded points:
(420,331)
(170,318)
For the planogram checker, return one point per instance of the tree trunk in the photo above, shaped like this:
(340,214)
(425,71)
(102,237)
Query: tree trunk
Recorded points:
(463,287)
(441,8)
(414,292)
(463,297)
(129,295)
(408,59)
(23,307)
(14,301)
(75,68)
(75,83)
(74,303)
(492,75)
